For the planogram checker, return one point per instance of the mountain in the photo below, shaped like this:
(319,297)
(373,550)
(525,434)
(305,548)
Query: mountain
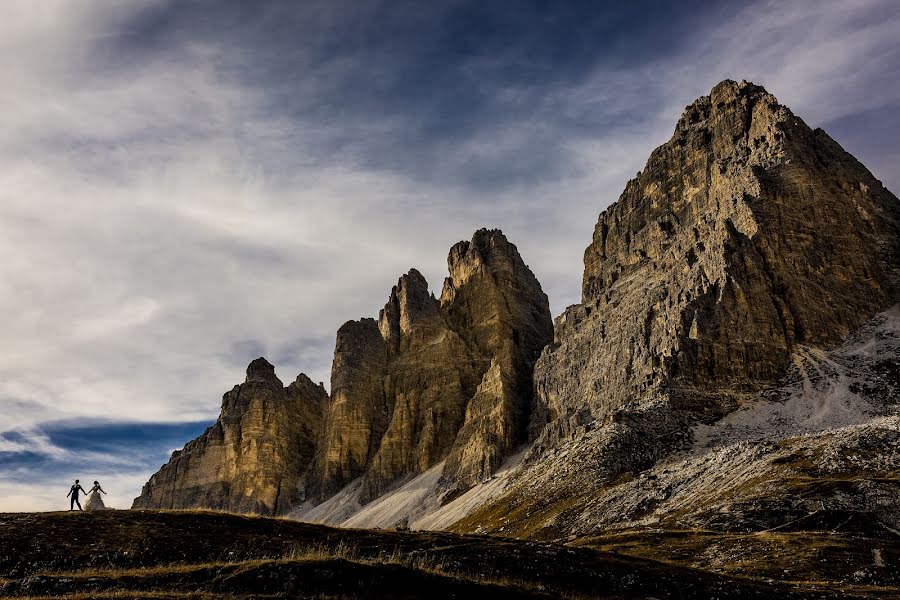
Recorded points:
(430,381)
(734,357)
(731,369)
(254,456)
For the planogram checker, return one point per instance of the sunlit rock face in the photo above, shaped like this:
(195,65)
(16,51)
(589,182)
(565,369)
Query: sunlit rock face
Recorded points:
(444,378)
(497,305)
(745,235)
(741,258)
(732,267)
(430,379)
(254,458)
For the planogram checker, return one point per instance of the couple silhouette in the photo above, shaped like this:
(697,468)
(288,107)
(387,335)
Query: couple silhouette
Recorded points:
(94,501)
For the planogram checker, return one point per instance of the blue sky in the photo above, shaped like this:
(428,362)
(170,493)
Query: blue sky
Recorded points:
(186,185)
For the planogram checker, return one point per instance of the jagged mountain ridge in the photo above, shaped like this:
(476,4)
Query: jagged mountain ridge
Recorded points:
(745,235)
(435,379)
(430,380)
(747,240)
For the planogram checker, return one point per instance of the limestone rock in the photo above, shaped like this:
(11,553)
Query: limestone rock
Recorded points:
(746,234)
(253,459)
(494,300)
(748,241)
(358,414)
(438,379)
(429,380)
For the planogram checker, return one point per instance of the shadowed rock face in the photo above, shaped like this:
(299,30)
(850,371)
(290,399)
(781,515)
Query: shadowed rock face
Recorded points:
(495,302)
(746,234)
(448,378)
(254,458)
(358,414)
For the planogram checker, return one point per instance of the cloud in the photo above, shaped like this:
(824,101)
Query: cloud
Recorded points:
(183,188)
(37,465)
(29,442)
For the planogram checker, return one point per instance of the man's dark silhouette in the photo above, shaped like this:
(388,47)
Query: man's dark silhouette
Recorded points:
(73,493)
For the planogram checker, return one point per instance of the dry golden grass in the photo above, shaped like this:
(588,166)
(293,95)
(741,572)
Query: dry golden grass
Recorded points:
(164,554)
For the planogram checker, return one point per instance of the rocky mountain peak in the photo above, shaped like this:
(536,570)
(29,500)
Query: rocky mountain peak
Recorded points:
(743,253)
(305,384)
(405,396)
(410,305)
(254,458)
(262,371)
(747,237)
(488,250)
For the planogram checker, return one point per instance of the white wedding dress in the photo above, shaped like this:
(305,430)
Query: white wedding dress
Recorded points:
(94,501)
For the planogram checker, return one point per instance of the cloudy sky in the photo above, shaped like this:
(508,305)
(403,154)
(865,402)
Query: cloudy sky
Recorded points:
(187,185)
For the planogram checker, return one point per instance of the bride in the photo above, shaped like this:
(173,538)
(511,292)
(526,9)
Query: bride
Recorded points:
(94,501)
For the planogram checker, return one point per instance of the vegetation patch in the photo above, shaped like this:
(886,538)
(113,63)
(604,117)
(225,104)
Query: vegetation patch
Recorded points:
(198,554)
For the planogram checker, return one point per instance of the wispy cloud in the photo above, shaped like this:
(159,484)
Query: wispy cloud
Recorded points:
(30,443)
(182,187)
(121,455)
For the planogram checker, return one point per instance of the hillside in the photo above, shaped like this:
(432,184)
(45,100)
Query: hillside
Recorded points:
(157,554)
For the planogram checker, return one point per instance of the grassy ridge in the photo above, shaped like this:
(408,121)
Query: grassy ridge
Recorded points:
(161,554)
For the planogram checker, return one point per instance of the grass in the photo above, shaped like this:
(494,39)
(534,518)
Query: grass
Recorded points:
(815,561)
(511,515)
(149,554)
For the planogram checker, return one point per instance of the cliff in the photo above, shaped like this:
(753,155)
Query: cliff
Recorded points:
(746,235)
(437,379)
(741,257)
(430,380)
(254,457)
(735,347)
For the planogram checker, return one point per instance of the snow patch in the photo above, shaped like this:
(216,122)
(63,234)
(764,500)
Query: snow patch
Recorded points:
(821,393)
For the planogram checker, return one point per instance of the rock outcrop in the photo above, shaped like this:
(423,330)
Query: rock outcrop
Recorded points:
(818,453)
(430,380)
(358,414)
(748,240)
(747,234)
(254,458)
(496,304)
(437,379)
(737,262)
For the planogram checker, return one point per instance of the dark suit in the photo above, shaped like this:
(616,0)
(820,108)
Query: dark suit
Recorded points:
(73,492)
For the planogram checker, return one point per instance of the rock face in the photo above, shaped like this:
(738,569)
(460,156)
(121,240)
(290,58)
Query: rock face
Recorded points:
(746,235)
(494,301)
(748,242)
(357,416)
(818,453)
(254,458)
(430,380)
(436,379)
(707,370)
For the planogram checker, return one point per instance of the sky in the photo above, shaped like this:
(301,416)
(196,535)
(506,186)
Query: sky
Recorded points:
(186,185)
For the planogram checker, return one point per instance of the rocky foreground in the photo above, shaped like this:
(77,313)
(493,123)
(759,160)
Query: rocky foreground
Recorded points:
(158,554)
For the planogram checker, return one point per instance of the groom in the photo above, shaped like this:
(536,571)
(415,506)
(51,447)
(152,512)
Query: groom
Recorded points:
(73,493)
